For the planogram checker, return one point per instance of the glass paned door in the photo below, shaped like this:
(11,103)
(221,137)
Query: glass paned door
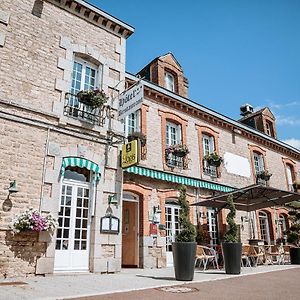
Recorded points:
(212,226)
(72,241)
(172,229)
(264,228)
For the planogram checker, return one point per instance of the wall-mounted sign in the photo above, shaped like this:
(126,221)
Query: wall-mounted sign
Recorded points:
(110,224)
(131,100)
(130,154)
(153,229)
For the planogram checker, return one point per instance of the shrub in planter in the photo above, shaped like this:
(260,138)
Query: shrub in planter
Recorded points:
(184,249)
(203,237)
(93,98)
(293,234)
(232,249)
(137,136)
(179,150)
(32,220)
(213,159)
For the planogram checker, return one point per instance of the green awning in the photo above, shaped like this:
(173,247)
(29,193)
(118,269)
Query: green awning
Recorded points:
(81,163)
(160,175)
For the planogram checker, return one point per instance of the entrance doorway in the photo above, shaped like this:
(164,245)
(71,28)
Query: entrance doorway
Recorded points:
(212,225)
(73,233)
(130,231)
(172,228)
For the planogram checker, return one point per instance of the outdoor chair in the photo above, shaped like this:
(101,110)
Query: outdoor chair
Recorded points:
(276,251)
(286,254)
(245,256)
(256,255)
(205,255)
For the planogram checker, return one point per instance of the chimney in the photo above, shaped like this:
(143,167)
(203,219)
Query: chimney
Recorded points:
(246,110)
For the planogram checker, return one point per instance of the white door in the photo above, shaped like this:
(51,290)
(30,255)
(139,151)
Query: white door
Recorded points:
(212,226)
(72,242)
(172,229)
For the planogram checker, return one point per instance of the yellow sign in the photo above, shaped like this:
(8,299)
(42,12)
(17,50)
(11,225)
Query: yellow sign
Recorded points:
(130,154)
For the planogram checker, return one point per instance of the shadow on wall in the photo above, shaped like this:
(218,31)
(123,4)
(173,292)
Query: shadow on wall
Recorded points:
(23,250)
(7,204)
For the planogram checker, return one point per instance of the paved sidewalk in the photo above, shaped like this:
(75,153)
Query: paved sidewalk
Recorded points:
(72,286)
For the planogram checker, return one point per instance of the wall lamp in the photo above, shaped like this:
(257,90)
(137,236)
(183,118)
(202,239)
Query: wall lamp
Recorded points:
(12,187)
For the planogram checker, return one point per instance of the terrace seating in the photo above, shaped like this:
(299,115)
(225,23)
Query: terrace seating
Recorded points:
(205,255)
(245,256)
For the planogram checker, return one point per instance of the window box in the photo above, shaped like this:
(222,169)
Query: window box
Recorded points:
(264,175)
(213,159)
(92,98)
(138,136)
(178,150)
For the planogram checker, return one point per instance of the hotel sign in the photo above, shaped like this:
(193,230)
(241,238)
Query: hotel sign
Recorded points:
(131,100)
(130,154)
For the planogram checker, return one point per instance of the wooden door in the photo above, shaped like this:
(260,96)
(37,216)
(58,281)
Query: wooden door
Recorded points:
(130,234)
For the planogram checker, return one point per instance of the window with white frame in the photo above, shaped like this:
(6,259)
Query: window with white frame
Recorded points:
(289,174)
(258,162)
(264,227)
(169,82)
(208,143)
(85,76)
(173,134)
(132,123)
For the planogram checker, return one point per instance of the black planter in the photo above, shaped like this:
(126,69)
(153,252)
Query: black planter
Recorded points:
(232,253)
(214,163)
(184,254)
(295,256)
(180,153)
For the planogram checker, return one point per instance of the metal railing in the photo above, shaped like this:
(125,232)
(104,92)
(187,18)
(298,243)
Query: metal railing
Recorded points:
(209,170)
(75,109)
(174,161)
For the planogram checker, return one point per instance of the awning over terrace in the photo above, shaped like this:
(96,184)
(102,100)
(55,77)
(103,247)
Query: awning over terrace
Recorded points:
(251,198)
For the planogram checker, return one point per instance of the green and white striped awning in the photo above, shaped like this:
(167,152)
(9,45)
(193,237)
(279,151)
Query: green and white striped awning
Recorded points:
(160,175)
(81,163)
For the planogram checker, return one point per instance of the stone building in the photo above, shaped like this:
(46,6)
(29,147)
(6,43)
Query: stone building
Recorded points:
(150,189)
(61,153)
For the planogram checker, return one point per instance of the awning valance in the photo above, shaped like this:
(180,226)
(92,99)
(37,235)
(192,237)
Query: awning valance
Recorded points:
(252,198)
(160,175)
(81,163)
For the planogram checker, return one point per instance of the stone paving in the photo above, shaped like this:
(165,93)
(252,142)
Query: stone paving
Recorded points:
(83,285)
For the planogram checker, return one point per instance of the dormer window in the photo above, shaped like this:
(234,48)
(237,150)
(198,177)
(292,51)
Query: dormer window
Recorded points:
(269,128)
(169,82)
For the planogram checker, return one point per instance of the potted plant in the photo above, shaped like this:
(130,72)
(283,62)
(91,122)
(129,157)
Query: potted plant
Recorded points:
(264,175)
(137,136)
(203,237)
(213,159)
(296,185)
(179,150)
(184,249)
(293,233)
(93,98)
(33,220)
(232,248)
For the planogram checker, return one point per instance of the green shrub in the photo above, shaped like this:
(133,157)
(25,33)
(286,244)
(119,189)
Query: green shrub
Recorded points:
(293,234)
(187,229)
(231,236)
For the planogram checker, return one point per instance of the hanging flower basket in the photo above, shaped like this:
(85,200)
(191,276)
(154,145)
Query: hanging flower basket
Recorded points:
(213,159)
(93,98)
(32,220)
(264,175)
(179,150)
(137,136)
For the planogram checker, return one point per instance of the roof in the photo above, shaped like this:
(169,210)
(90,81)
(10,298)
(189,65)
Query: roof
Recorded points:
(251,198)
(211,112)
(258,112)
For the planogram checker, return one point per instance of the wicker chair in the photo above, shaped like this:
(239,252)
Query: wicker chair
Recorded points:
(205,255)
(245,256)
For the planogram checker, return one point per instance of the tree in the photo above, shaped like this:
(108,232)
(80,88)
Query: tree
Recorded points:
(231,236)
(187,229)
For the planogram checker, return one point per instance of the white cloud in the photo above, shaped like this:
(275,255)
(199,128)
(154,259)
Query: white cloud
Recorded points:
(289,120)
(293,142)
(274,105)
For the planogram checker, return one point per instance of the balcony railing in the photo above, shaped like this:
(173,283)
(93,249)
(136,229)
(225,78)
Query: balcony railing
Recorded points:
(209,170)
(174,161)
(75,109)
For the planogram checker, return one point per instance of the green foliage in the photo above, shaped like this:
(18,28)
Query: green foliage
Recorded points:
(231,236)
(203,236)
(188,231)
(293,234)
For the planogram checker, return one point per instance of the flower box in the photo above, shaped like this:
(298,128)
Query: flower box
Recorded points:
(93,98)
(213,159)
(178,150)
(137,136)
(264,175)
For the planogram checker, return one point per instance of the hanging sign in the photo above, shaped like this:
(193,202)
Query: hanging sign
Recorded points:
(110,224)
(131,100)
(130,154)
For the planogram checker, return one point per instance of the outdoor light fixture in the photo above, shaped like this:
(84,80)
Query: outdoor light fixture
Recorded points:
(12,187)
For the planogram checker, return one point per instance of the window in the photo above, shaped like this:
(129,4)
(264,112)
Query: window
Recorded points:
(85,76)
(289,175)
(132,123)
(269,128)
(258,162)
(282,227)
(169,82)
(208,143)
(173,137)
(264,227)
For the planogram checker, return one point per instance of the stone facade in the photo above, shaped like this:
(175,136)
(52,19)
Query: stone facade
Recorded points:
(42,39)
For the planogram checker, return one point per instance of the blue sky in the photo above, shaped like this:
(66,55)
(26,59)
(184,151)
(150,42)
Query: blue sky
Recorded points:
(232,51)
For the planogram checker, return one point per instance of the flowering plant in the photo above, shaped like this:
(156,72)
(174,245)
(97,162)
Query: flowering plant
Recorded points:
(213,159)
(33,220)
(93,98)
(264,175)
(178,150)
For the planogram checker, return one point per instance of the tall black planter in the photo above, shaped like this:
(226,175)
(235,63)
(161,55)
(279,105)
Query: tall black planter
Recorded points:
(295,256)
(232,253)
(184,254)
